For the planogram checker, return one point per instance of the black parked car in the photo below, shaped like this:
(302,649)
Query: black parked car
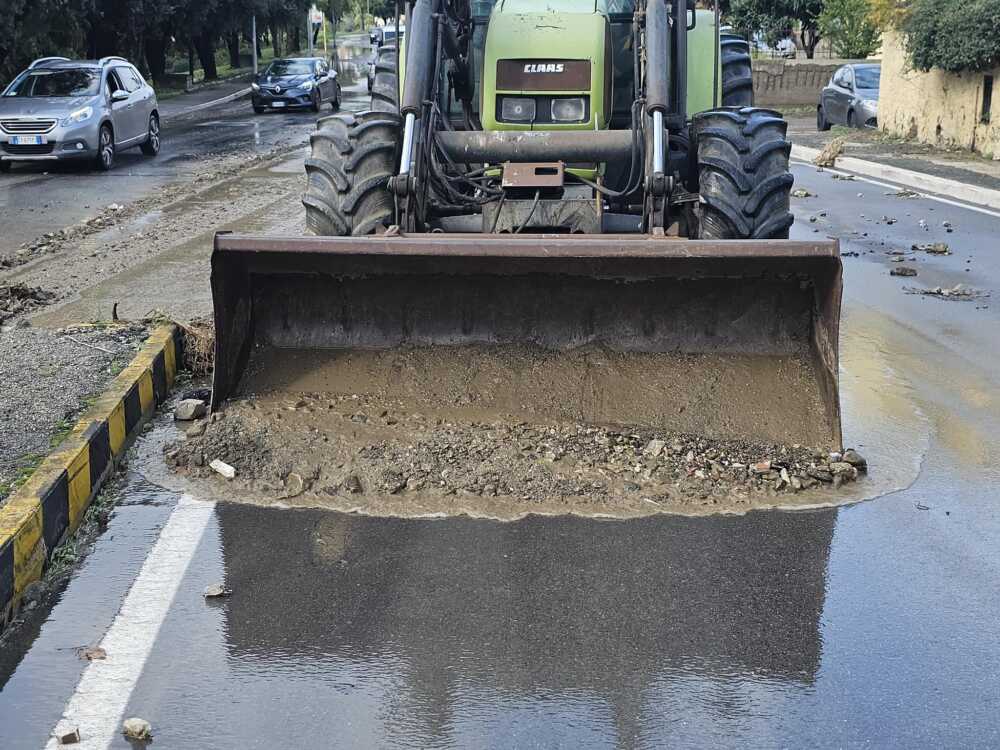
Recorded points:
(295,83)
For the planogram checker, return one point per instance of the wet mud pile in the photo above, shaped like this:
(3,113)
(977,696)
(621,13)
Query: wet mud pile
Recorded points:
(370,455)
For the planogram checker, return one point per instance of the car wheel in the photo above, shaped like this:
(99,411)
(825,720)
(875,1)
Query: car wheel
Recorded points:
(335,104)
(850,119)
(258,110)
(105,149)
(317,103)
(4,167)
(152,145)
(821,122)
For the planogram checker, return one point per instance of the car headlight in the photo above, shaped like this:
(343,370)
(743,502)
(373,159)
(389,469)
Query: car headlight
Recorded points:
(307,86)
(254,86)
(569,109)
(517,109)
(81,115)
(873,103)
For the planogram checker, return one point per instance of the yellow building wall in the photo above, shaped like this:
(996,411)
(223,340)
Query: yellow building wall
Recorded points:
(943,109)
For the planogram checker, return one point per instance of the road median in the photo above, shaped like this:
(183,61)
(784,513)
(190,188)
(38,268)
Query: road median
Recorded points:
(51,504)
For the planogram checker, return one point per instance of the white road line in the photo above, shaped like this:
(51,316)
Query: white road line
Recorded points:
(104,690)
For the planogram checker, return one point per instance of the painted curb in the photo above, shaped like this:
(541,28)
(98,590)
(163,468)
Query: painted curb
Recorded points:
(919,181)
(52,503)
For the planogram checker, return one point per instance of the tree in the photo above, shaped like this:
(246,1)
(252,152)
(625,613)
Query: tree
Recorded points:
(953,36)
(776,16)
(849,26)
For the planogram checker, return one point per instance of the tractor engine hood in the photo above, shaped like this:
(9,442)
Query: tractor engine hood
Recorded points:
(542,52)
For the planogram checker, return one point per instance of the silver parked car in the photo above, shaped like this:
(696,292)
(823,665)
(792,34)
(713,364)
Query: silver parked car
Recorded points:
(850,98)
(77,109)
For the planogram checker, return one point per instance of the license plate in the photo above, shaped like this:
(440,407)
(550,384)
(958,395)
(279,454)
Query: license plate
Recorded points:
(26,140)
(277,104)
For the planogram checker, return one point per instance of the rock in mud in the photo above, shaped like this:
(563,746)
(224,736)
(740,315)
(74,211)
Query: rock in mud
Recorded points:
(137,729)
(216,590)
(903,271)
(190,409)
(856,460)
(221,467)
(933,248)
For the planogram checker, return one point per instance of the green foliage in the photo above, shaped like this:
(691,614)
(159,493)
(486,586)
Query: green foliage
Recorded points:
(953,36)
(775,17)
(850,28)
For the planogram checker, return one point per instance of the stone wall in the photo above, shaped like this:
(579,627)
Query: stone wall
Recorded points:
(791,82)
(943,109)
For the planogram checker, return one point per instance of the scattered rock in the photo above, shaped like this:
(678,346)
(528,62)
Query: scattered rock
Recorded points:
(958,293)
(654,448)
(294,485)
(66,734)
(93,653)
(137,729)
(903,271)
(189,409)
(845,177)
(223,468)
(216,590)
(933,248)
(16,299)
(828,156)
(903,194)
(802,193)
(196,430)
(856,460)
(353,484)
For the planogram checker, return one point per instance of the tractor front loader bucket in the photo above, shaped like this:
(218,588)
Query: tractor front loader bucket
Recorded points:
(731,340)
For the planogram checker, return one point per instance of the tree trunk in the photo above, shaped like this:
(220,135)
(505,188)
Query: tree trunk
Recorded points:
(205,44)
(810,39)
(233,42)
(296,38)
(191,61)
(156,56)
(275,39)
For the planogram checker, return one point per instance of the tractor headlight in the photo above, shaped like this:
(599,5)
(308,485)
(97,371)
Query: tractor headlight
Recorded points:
(80,115)
(569,110)
(517,109)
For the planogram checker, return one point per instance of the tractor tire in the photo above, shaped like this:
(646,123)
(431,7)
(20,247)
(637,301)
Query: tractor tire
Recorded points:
(737,71)
(743,175)
(352,159)
(385,91)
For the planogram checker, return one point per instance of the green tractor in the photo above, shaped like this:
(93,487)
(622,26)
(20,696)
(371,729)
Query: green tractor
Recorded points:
(559,175)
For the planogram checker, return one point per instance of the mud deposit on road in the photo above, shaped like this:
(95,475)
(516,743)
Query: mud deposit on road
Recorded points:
(457,431)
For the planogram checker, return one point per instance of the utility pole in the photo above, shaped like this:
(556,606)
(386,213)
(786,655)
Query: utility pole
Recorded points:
(253,33)
(309,29)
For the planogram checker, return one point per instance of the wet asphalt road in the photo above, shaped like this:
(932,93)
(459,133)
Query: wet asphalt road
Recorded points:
(37,197)
(872,625)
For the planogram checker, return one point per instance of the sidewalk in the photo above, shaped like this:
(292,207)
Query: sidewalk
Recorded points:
(893,155)
(204,97)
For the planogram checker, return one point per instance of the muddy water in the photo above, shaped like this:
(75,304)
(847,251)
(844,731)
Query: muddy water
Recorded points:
(774,399)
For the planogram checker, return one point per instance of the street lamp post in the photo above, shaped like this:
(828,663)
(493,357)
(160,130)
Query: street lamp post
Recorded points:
(253,42)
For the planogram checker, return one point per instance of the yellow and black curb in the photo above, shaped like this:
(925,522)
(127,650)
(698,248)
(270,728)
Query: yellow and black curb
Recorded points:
(52,503)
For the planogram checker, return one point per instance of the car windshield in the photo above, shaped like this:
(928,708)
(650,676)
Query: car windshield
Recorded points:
(73,82)
(289,68)
(866,78)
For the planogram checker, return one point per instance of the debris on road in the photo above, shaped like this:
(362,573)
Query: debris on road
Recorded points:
(137,729)
(856,460)
(933,248)
(845,177)
(223,468)
(904,193)
(828,156)
(189,409)
(67,734)
(958,293)
(19,298)
(92,653)
(903,271)
(802,193)
(216,590)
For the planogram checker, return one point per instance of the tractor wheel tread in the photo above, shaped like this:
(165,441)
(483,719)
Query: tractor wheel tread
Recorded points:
(353,156)
(743,176)
(737,71)
(385,89)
